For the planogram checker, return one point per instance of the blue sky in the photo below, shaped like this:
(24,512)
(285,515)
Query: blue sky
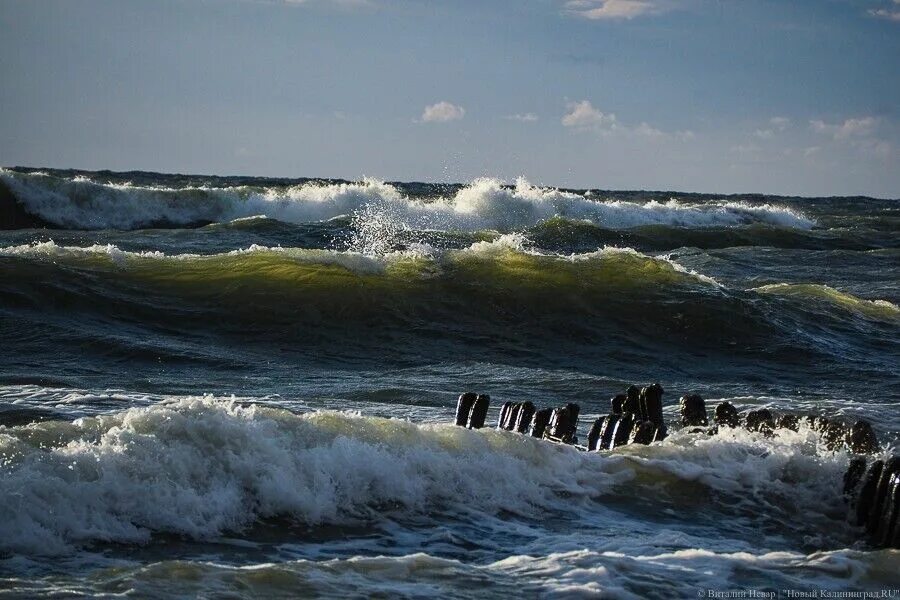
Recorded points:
(786,96)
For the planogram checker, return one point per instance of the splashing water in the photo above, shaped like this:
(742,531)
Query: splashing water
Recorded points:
(377,228)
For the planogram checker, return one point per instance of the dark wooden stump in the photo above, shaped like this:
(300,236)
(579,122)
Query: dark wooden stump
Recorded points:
(523,420)
(479,411)
(643,433)
(632,401)
(788,421)
(623,430)
(511,416)
(727,415)
(539,422)
(866,498)
(760,420)
(861,438)
(608,431)
(594,433)
(891,466)
(854,475)
(693,411)
(463,406)
(886,528)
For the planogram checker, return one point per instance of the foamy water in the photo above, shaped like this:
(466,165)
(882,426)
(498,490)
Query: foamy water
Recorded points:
(261,406)
(677,516)
(483,204)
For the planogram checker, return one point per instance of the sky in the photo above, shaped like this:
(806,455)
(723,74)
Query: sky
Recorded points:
(795,97)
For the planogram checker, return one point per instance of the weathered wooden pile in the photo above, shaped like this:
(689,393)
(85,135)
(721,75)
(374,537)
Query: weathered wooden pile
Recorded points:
(636,417)
(874,495)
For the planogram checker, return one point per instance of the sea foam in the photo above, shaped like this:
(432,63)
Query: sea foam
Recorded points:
(484,204)
(201,466)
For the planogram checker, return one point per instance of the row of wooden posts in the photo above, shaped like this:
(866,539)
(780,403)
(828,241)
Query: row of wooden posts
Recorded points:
(636,417)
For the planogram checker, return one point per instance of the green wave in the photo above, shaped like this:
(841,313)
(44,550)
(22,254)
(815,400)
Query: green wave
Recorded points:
(492,292)
(499,264)
(878,309)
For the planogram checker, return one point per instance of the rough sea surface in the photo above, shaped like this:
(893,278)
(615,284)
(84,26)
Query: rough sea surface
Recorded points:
(243,387)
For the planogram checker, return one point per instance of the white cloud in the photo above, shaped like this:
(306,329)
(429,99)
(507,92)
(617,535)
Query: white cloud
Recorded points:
(858,127)
(780,123)
(583,116)
(442,112)
(887,13)
(884,13)
(857,133)
(523,117)
(776,126)
(820,126)
(613,9)
(646,130)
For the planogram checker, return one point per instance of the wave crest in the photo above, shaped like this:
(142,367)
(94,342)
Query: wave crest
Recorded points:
(500,261)
(485,204)
(879,309)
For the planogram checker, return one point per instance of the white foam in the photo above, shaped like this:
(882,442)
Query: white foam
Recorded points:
(690,572)
(485,204)
(583,573)
(353,261)
(200,466)
(51,250)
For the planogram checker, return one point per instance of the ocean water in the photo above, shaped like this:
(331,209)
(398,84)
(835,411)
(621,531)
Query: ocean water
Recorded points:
(244,387)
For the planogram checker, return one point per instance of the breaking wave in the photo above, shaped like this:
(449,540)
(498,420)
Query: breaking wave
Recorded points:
(485,204)
(200,467)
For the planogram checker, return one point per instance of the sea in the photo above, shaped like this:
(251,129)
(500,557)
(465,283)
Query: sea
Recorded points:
(242,387)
